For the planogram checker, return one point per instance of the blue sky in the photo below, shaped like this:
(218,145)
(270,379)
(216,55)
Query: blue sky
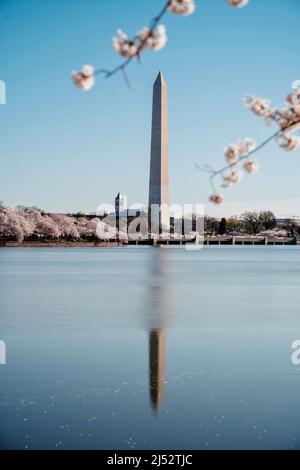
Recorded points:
(63,149)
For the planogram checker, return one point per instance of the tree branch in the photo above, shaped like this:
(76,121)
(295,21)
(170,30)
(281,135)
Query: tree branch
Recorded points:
(121,67)
(215,173)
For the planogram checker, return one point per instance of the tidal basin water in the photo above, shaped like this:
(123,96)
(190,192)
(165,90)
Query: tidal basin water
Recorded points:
(150,348)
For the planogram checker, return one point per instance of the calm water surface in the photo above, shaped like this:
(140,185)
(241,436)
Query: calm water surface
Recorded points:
(137,348)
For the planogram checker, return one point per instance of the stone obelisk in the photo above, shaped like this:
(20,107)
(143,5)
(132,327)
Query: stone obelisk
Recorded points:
(159,167)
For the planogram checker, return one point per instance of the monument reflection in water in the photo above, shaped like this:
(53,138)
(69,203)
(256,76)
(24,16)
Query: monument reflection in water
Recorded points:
(156,366)
(157,315)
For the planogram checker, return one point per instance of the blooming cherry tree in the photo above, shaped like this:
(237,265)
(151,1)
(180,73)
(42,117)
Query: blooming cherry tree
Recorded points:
(66,226)
(13,225)
(87,228)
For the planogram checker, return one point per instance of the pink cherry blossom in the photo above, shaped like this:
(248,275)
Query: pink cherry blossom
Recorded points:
(84,79)
(216,198)
(124,46)
(232,154)
(182,7)
(288,142)
(251,166)
(238,3)
(155,39)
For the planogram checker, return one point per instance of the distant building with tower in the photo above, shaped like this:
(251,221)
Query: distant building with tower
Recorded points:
(120,204)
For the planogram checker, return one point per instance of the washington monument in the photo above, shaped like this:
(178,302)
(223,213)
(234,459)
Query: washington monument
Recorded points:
(159,167)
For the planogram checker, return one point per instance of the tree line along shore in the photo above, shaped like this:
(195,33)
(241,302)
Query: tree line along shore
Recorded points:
(32,226)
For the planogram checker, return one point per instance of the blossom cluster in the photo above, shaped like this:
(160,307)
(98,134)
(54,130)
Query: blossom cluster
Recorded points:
(237,3)
(145,39)
(287,118)
(235,154)
(84,79)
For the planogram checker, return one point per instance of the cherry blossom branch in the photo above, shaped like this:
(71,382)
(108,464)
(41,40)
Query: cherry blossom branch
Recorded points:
(288,119)
(121,67)
(215,173)
(153,37)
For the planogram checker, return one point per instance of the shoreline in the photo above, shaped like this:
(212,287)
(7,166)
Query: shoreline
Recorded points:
(56,244)
(208,241)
